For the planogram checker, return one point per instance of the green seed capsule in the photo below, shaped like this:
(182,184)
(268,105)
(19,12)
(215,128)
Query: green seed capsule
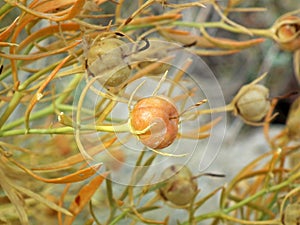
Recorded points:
(293,120)
(156,52)
(180,187)
(291,214)
(105,59)
(252,103)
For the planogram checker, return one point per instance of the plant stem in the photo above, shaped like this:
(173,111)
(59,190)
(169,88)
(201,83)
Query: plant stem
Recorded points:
(259,32)
(256,195)
(5,8)
(67,130)
(221,215)
(48,110)
(11,107)
(34,116)
(224,214)
(119,217)
(229,107)
(60,130)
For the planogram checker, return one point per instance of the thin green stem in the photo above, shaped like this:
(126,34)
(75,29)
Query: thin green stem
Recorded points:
(70,108)
(109,190)
(67,130)
(137,27)
(224,214)
(119,217)
(5,8)
(91,208)
(204,217)
(221,215)
(137,164)
(18,94)
(50,109)
(37,115)
(74,83)
(259,32)
(60,130)
(257,195)
(11,107)
(248,222)
(226,108)
(36,76)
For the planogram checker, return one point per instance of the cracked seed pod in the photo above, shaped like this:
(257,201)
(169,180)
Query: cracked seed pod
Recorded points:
(287,31)
(105,58)
(180,187)
(293,120)
(160,115)
(291,214)
(251,102)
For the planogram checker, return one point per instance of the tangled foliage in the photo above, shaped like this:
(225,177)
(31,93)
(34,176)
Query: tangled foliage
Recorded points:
(94,97)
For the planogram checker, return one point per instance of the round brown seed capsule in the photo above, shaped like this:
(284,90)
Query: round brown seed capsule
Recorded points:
(180,187)
(160,115)
(105,60)
(252,103)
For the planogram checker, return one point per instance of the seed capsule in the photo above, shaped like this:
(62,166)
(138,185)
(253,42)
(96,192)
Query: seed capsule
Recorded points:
(180,187)
(293,120)
(291,214)
(251,102)
(287,31)
(160,115)
(105,59)
(157,51)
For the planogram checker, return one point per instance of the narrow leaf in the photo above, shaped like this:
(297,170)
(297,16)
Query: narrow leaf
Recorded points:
(185,37)
(83,197)
(40,198)
(71,178)
(78,176)
(72,160)
(15,199)
(230,44)
(5,34)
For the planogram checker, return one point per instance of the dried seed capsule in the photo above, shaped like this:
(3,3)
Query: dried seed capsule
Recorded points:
(291,214)
(287,31)
(160,115)
(157,51)
(293,120)
(180,187)
(251,102)
(105,58)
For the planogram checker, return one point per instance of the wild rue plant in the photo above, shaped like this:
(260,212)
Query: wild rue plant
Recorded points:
(101,112)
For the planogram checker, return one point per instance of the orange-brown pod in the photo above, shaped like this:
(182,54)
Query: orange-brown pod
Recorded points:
(160,115)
